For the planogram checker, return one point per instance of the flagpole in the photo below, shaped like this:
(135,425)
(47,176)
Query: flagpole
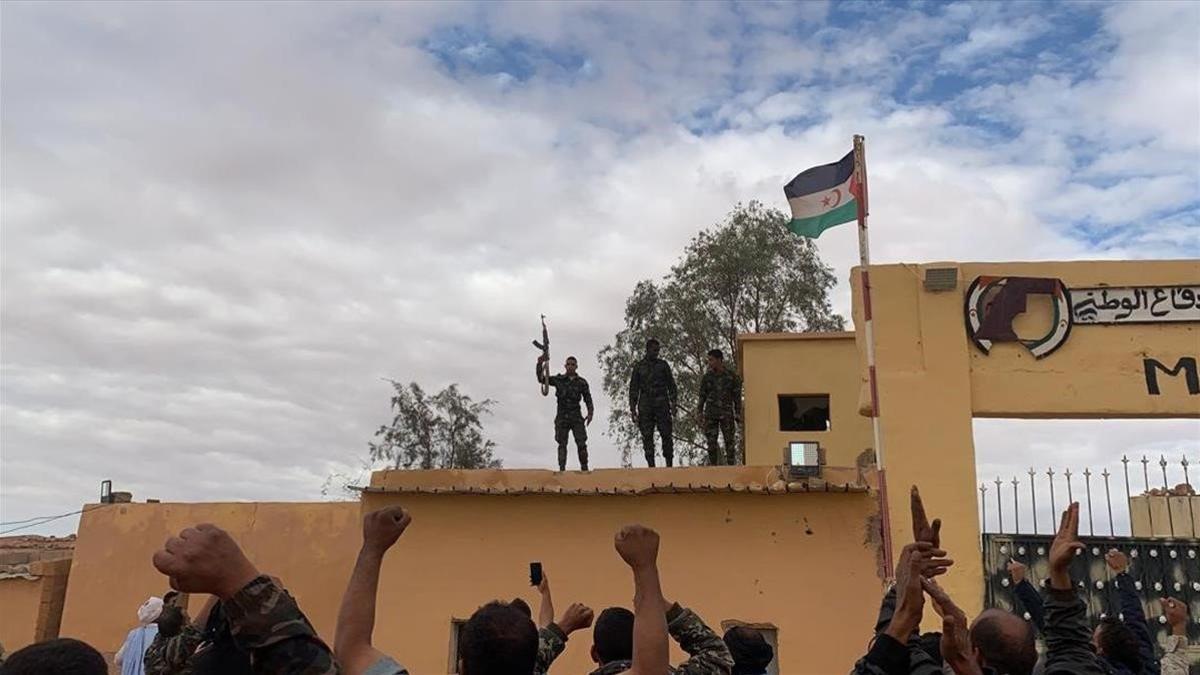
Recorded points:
(864,262)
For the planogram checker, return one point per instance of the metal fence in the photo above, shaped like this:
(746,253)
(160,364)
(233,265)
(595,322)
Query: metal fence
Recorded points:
(1160,568)
(1015,503)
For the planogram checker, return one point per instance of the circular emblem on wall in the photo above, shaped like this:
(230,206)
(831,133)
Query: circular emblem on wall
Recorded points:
(991,304)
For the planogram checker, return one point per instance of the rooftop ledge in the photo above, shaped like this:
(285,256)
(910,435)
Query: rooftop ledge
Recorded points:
(763,480)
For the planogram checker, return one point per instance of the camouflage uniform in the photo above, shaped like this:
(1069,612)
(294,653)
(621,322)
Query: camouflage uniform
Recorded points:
(720,404)
(709,655)
(173,655)
(551,642)
(653,394)
(568,390)
(266,622)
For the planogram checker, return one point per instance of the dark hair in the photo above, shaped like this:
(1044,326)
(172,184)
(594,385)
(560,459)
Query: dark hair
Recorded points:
(498,639)
(750,651)
(1002,649)
(61,655)
(523,606)
(653,341)
(1117,644)
(613,635)
(717,354)
(170,621)
(572,358)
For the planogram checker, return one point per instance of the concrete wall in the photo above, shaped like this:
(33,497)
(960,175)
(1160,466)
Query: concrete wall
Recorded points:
(932,380)
(772,364)
(32,603)
(797,561)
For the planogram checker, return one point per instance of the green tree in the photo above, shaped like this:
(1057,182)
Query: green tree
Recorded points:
(747,274)
(443,431)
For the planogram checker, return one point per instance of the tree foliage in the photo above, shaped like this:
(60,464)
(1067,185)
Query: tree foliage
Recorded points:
(748,274)
(442,431)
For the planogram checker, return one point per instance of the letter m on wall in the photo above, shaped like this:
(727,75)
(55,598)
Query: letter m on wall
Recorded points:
(1185,365)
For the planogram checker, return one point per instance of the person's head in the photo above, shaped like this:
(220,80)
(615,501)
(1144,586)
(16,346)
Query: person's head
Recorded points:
(149,610)
(571,365)
(1004,642)
(170,621)
(498,639)
(1117,643)
(750,651)
(612,636)
(652,348)
(62,655)
(523,607)
(716,359)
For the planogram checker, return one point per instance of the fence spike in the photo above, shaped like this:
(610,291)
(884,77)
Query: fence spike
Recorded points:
(1053,506)
(999,505)
(1188,479)
(1087,479)
(1146,479)
(983,504)
(1070,492)
(1162,462)
(1033,498)
(1108,500)
(1016,507)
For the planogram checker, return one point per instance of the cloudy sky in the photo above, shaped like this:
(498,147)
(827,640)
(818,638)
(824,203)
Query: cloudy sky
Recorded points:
(224,222)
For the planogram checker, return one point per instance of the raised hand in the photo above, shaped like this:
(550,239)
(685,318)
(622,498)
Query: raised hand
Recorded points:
(922,529)
(917,560)
(638,546)
(205,559)
(577,617)
(1017,570)
(382,528)
(1064,548)
(544,585)
(1176,613)
(956,639)
(1117,562)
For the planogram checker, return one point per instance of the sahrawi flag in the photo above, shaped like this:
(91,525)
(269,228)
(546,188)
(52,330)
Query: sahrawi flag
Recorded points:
(822,197)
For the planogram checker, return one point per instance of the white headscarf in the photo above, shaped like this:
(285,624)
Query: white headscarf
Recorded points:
(150,610)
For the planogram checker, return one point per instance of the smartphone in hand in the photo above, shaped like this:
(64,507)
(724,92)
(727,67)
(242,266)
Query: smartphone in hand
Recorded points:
(535,574)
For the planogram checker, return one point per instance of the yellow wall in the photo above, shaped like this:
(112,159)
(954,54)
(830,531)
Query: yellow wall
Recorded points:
(797,561)
(30,608)
(20,599)
(312,546)
(802,363)
(932,380)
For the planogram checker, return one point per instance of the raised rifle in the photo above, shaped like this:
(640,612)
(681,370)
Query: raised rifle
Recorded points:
(544,345)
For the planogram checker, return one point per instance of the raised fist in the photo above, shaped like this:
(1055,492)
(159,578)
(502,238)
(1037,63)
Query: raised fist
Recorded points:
(382,528)
(578,616)
(1175,611)
(638,546)
(1117,562)
(205,559)
(1017,570)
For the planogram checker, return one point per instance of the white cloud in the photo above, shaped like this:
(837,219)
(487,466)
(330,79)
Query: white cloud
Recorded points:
(223,223)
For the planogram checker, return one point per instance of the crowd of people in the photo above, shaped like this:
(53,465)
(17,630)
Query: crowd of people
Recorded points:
(251,624)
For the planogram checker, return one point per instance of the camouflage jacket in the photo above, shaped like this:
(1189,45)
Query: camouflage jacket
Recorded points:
(173,655)
(651,383)
(266,621)
(720,394)
(551,642)
(709,655)
(569,391)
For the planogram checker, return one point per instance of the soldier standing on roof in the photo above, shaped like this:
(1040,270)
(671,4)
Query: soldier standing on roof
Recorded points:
(720,407)
(569,388)
(652,402)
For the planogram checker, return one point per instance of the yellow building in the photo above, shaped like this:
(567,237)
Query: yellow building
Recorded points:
(797,555)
